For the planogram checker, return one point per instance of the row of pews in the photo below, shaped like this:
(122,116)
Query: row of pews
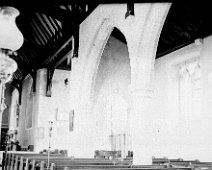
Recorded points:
(36,161)
(194,164)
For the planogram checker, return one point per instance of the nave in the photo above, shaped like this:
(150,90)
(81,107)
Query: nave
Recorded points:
(106,85)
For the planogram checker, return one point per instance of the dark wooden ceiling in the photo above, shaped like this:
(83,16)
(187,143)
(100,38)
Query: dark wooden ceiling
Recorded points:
(47,29)
(186,22)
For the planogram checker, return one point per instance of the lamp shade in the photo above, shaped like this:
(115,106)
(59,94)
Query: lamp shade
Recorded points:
(10,36)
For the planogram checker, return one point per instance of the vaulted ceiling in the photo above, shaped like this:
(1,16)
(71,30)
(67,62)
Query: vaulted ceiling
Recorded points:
(48,28)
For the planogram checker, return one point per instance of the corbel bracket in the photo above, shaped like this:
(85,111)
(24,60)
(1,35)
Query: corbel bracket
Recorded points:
(50,73)
(130,10)
(33,74)
(76,42)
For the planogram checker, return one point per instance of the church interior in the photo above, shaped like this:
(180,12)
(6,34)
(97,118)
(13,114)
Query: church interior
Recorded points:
(105,85)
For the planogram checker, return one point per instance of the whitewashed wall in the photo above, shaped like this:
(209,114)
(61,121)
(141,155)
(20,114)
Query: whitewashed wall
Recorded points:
(55,109)
(45,109)
(182,105)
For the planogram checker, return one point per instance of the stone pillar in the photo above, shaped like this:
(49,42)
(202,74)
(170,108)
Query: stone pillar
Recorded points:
(142,39)
(40,121)
(2,104)
(0,110)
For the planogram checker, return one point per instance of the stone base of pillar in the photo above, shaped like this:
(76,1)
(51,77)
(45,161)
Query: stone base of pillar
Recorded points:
(141,127)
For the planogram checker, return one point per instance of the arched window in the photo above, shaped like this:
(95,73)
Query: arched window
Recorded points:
(190,90)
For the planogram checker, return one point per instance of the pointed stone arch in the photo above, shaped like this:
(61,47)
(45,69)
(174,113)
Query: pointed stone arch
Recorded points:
(142,32)
(91,66)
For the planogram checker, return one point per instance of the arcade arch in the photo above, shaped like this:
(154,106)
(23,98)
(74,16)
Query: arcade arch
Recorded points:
(110,94)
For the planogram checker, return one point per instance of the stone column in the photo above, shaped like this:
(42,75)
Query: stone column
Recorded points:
(0,110)
(2,104)
(142,39)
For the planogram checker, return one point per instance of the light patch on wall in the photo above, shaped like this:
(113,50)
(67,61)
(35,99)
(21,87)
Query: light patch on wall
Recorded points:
(117,113)
(62,114)
(40,132)
(61,132)
(210,78)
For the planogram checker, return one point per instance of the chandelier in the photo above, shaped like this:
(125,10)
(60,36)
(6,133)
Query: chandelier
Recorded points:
(10,36)
(11,40)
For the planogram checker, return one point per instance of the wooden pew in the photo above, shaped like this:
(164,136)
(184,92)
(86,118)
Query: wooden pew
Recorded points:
(195,164)
(19,161)
(67,168)
(84,163)
(61,163)
(157,161)
(13,158)
(63,166)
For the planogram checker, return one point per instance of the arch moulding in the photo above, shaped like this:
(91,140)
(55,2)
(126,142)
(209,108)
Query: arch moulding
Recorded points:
(91,63)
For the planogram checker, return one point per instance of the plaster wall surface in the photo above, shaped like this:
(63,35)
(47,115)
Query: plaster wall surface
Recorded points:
(40,110)
(182,103)
(55,109)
